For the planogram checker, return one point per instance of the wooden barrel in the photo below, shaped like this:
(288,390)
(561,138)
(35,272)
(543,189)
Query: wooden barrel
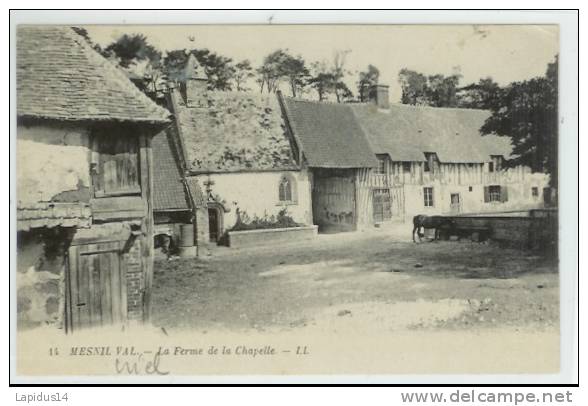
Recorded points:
(186,235)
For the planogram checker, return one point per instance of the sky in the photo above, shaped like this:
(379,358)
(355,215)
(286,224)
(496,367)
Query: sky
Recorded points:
(506,53)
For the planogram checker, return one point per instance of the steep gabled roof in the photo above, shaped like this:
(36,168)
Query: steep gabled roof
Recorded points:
(237,132)
(329,134)
(169,192)
(60,76)
(405,132)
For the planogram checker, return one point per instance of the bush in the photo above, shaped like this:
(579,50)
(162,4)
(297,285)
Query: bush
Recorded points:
(281,220)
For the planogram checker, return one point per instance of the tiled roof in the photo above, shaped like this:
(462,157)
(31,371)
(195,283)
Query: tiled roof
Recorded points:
(51,215)
(329,134)
(405,132)
(198,196)
(236,132)
(59,76)
(168,190)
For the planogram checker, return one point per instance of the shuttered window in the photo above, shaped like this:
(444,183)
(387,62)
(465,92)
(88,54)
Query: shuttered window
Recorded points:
(495,193)
(117,166)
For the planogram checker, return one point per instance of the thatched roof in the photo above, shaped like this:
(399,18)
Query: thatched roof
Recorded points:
(236,132)
(60,77)
(405,132)
(329,135)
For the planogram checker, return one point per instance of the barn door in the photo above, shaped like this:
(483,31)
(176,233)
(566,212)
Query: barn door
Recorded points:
(382,205)
(97,286)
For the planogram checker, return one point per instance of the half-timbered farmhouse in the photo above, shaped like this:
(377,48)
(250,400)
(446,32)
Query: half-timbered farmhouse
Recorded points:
(335,150)
(377,162)
(434,160)
(84,175)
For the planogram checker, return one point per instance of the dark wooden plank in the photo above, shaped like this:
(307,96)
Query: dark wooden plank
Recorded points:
(83,297)
(115,288)
(146,173)
(72,287)
(94,267)
(123,288)
(106,270)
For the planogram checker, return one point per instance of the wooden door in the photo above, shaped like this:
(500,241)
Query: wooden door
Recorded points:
(333,202)
(213,224)
(382,205)
(97,286)
(455,203)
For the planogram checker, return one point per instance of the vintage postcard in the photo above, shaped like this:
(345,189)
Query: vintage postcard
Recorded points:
(286,200)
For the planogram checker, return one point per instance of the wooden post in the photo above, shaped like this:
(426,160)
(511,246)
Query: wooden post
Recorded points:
(146,156)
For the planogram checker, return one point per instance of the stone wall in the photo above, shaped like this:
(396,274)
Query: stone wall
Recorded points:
(276,236)
(40,277)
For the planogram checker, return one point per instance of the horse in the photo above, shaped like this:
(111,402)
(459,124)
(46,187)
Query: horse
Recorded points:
(421,221)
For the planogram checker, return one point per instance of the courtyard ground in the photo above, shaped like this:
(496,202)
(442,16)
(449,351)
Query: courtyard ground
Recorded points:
(372,281)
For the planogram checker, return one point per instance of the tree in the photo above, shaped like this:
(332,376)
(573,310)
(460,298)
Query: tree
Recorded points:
(270,72)
(527,112)
(295,71)
(342,92)
(139,59)
(243,72)
(367,79)
(323,82)
(219,70)
(414,87)
(130,49)
(482,95)
(280,66)
(329,78)
(434,90)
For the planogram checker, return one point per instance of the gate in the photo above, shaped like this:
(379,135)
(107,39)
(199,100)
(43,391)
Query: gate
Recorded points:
(382,205)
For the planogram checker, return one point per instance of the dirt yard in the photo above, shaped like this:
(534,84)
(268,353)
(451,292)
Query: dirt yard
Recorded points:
(375,281)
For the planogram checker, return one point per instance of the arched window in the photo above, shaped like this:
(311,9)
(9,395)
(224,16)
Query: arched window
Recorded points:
(285,192)
(287,189)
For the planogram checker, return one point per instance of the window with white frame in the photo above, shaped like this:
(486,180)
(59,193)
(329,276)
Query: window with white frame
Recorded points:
(428,196)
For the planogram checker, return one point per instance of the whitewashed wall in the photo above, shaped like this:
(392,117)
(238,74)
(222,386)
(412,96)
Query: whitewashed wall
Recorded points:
(50,160)
(257,193)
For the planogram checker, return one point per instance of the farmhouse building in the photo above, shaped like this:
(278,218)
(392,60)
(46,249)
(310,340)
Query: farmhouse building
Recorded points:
(434,160)
(334,149)
(424,160)
(238,156)
(84,175)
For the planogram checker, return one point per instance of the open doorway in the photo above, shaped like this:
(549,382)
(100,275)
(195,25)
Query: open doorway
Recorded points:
(215,223)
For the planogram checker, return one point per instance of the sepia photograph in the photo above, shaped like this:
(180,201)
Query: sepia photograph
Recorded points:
(286,200)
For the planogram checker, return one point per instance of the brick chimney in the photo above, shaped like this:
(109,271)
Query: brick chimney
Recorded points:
(378,94)
(193,84)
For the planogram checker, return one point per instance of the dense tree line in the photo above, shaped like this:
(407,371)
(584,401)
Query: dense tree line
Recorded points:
(279,69)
